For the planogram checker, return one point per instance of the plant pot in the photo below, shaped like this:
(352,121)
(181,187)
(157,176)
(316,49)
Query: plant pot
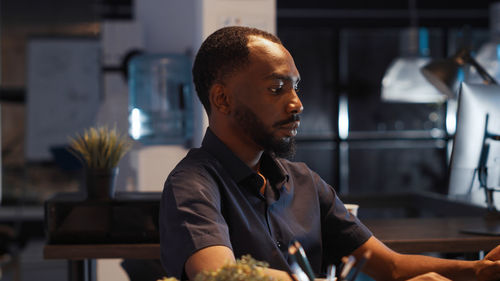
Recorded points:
(100,183)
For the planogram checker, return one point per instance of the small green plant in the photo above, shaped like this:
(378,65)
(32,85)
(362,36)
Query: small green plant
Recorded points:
(100,147)
(245,269)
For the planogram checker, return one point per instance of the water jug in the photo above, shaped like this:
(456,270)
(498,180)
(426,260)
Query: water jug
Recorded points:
(160,101)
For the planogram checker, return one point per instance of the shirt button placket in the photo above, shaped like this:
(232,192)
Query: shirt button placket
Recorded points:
(280,245)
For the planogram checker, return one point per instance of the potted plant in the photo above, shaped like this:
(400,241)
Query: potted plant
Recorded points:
(100,150)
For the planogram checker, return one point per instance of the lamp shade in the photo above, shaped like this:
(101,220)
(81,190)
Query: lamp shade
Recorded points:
(489,57)
(443,73)
(403,82)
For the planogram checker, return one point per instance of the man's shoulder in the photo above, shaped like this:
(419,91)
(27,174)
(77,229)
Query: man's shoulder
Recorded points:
(195,175)
(196,159)
(298,170)
(197,167)
(293,166)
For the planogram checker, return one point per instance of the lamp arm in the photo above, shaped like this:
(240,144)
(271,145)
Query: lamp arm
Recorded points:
(488,79)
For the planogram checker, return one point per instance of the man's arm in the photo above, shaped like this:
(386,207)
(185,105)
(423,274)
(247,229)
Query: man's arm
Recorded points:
(431,276)
(209,258)
(214,257)
(386,264)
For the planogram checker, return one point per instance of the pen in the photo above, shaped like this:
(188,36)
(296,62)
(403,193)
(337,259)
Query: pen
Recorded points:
(360,264)
(299,273)
(298,255)
(348,263)
(330,274)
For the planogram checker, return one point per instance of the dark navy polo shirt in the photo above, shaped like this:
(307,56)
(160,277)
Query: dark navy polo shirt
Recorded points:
(212,198)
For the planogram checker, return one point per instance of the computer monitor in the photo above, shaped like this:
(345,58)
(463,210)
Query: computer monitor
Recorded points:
(474,144)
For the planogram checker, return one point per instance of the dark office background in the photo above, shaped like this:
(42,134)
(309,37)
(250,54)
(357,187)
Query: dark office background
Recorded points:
(342,49)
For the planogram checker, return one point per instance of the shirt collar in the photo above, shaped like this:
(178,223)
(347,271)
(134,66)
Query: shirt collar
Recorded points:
(273,169)
(270,167)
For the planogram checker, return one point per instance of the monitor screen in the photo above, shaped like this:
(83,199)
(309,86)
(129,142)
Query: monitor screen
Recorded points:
(478,114)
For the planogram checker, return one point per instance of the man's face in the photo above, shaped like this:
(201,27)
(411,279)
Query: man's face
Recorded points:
(265,108)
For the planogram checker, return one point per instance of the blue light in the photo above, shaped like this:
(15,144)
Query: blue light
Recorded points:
(460,75)
(423,41)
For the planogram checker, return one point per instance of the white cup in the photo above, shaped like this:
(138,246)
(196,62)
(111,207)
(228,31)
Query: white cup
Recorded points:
(352,208)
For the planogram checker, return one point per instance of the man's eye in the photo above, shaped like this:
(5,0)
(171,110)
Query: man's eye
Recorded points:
(276,90)
(296,88)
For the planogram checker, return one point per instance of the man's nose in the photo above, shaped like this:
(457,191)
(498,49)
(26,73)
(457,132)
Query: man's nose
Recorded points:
(295,105)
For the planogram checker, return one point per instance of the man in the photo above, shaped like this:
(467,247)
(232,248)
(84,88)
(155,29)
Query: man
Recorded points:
(237,195)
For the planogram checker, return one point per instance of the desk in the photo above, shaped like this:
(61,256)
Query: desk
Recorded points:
(418,235)
(415,235)
(102,251)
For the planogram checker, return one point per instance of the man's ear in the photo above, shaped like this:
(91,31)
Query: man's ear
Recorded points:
(219,98)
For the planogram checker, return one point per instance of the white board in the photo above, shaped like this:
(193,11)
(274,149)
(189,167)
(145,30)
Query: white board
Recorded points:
(63,91)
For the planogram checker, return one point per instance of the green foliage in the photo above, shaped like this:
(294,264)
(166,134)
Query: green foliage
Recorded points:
(245,269)
(100,147)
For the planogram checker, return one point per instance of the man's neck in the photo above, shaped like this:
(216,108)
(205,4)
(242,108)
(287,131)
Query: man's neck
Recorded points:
(243,148)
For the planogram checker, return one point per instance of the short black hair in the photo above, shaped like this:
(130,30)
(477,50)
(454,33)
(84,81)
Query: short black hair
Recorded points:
(222,53)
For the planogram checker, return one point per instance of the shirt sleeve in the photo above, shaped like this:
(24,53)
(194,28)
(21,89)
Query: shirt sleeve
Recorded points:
(342,232)
(190,218)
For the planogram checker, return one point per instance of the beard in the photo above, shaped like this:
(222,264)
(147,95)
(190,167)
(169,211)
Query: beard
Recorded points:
(255,128)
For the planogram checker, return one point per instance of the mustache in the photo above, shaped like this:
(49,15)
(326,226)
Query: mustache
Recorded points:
(293,118)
